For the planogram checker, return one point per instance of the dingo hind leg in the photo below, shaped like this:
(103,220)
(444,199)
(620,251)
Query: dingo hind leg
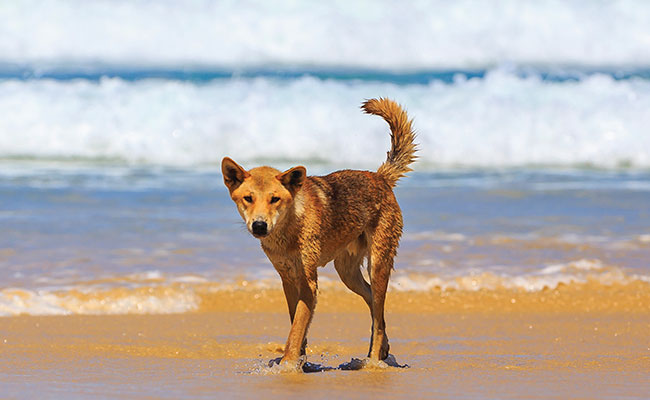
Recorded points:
(348,266)
(383,249)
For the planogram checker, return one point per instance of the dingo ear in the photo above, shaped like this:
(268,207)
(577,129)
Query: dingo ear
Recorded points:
(233,174)
(293,178)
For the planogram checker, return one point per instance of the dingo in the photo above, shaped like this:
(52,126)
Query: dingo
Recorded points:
(304,222)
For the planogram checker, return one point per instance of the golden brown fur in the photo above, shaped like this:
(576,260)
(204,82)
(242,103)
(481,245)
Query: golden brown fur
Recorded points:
(347,216)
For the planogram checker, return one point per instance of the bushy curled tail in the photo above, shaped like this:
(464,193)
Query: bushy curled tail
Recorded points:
(403,147)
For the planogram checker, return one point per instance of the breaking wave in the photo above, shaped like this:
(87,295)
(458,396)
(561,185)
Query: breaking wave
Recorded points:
(501,120)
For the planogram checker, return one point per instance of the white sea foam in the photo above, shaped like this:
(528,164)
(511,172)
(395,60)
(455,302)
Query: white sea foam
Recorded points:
(436,236)
(579,265)
(550,277)
(501,120)
(170,294)
(645,238)
(89,301)
(376,34)
(15,301)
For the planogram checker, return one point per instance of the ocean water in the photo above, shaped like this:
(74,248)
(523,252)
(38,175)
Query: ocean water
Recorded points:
(532,118)
(113,239)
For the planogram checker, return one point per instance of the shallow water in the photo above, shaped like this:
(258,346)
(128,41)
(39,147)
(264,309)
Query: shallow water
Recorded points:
(106,239)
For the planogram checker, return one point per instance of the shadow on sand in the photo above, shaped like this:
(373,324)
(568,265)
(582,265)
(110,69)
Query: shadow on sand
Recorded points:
(354,364)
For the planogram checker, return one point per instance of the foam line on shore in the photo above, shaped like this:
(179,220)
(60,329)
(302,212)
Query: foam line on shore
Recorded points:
(164,295)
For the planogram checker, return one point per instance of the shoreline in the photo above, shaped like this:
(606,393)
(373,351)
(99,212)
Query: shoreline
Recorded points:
(160,297)
(592,296)
(496,348)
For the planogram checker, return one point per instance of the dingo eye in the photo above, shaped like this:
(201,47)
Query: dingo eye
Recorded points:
(274,199)
(248,199)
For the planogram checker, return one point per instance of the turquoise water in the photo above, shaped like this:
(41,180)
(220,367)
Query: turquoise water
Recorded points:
(205,75)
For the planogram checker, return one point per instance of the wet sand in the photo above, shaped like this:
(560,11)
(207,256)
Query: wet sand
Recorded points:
(578,341)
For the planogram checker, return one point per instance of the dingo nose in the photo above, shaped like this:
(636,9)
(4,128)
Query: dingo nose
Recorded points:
(259,228)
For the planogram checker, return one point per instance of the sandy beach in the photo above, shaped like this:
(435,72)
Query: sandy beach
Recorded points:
(572,342)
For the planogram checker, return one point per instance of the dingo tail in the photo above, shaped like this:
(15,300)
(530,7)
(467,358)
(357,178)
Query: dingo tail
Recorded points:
(403,147)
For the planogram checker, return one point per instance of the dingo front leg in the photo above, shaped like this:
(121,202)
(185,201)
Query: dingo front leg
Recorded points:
(291,292)
(303,313)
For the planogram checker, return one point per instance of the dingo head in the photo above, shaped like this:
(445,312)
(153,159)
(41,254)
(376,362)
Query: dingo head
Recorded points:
(263,195)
